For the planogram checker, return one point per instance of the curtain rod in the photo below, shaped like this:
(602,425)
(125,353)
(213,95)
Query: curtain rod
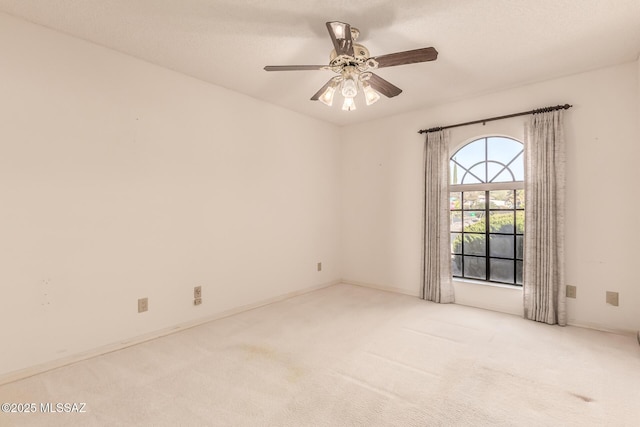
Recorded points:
(483,121)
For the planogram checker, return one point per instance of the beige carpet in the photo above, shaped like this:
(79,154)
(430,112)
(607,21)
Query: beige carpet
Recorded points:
(350,356)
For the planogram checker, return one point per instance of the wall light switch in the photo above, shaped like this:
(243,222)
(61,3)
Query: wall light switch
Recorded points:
(319,266)
(571,291)
(143,305)
(612,298)
(197,292)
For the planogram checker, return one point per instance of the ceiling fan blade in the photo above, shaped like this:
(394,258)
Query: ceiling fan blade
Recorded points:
(408,57)
(293,67)
(321,91)
(340,33)
(383,86)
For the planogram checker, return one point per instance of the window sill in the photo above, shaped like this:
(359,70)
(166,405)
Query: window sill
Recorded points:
(490,284)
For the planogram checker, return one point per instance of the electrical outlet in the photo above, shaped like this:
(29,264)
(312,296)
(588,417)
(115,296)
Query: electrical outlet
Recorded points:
(143,305)
(571,291)
(319,266)
(197,301)
(197,292)
(612,298)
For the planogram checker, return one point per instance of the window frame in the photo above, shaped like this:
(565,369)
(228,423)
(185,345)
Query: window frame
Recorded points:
(488,187)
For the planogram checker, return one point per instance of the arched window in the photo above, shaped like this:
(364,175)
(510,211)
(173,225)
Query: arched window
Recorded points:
(487,210)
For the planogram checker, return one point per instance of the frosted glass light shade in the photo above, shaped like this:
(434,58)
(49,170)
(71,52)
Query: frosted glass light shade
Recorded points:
(327,96)
(349,104)
(349,88)
(370,95)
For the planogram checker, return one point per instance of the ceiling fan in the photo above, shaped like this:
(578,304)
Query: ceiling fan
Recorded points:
(353,64)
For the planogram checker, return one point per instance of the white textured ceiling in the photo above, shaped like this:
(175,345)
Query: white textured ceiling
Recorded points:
(484,45)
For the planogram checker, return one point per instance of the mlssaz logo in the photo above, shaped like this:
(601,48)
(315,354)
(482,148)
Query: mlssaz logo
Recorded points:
(63,407)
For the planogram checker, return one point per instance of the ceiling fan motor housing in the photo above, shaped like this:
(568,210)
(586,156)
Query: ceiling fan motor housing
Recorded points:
(359,52)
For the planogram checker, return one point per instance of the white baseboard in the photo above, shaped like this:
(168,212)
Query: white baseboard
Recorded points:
(58,363)
(394,289)
(382,288)
(598,327)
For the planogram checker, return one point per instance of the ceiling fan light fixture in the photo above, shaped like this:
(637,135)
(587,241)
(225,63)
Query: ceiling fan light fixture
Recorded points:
(349,87)
(354,67)
(327,96)
(349,104)
(370,95)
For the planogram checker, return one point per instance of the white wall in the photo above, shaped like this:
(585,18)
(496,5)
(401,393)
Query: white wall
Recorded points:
(121,180)
(381,175)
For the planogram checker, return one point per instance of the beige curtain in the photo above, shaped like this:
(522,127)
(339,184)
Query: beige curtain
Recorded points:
(544,286)
(436,260)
